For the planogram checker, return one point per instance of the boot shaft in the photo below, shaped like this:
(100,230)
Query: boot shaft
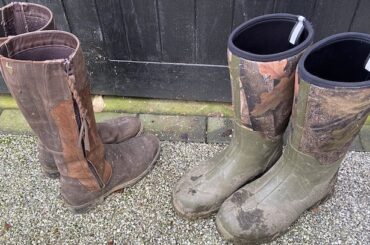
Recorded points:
(331,96)
(262,60)
(45,72)
(21,17)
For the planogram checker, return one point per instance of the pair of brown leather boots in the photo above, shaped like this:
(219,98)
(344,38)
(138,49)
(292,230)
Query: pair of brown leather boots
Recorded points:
(45,72)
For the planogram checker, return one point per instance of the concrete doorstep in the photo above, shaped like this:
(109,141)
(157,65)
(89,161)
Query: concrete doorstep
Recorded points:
(200,129)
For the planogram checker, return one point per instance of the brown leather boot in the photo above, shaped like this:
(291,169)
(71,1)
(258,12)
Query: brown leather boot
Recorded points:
(20,17)
(46,74)
(111,132)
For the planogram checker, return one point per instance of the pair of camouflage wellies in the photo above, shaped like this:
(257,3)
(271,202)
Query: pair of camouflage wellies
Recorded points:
(257,188)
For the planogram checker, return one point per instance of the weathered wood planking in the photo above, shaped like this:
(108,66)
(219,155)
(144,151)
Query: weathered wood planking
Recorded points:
(177,28)
(84,21)
(248,9)
(333,16)
(361,20)
(213,25)
(300,7)
(179,46)
(113,29)
(141,22)
(182,81)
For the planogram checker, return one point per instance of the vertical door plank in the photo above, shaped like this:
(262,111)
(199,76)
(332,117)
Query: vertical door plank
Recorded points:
(177,28)
(361,21)
(113,28)
(84,23)
(304,8)
(247,9)
(141,21)
(332,16)
(213,25)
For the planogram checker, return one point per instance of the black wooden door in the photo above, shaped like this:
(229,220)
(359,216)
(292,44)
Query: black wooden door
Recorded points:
(176,49)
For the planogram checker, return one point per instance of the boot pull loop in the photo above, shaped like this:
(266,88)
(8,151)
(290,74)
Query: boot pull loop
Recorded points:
(84,135)
(297,30)
(367,64)
(3,22)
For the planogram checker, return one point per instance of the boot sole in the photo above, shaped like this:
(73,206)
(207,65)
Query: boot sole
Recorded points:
(55,174)
(195,216)
(80,209)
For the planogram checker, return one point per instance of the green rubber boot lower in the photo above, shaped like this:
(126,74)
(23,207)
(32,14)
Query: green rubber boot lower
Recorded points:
(202,190)
(261,211)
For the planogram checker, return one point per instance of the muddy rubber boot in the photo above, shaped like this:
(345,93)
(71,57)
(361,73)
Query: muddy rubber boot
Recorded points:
(46,74)
(112,131)
(331,105)
(21,17)
(262,55)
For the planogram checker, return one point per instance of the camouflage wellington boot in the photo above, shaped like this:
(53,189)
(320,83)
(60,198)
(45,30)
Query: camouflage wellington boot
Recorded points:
(46,74)
(20,17)
(262,54)
(331,105)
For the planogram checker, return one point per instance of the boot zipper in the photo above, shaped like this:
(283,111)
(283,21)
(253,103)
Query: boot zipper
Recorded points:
(89,163)
(95,173)
(79,125)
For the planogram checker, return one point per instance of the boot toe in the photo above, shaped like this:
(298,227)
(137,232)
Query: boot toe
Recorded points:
(132,127)
(194,199)
(131,160)
(150,144)
(248,222)
(119,129)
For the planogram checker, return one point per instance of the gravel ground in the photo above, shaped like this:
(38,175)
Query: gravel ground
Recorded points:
(31,211)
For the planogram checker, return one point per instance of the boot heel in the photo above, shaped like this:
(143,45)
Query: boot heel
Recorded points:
(86,207)
(47,162)
(50,174)
(328,196)
(322,201)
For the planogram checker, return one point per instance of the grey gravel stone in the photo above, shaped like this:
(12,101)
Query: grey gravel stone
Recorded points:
(31,211)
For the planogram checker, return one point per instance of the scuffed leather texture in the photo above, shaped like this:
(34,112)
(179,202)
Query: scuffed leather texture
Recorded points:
(47,159)
(55,96)
(130,160)
(111,131)
(73,154)
(21,17)
(203,189)
(119,129)
(56,106)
